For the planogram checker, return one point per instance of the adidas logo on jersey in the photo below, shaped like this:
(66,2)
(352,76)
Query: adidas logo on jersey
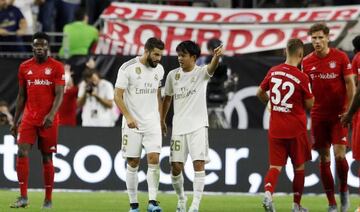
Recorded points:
(313,68)
(30,72)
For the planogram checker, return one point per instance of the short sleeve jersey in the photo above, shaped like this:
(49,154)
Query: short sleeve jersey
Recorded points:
(289,88)
(327,80)
(188,90)
(141,84)
(40,80)
(356,65)
(10,18)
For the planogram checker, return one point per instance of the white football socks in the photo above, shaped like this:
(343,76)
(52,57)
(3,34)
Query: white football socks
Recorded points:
(153,175)
(178,185)
(198,186)
(132,183)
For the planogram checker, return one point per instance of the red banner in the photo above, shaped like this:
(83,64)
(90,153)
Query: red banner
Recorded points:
(128,26)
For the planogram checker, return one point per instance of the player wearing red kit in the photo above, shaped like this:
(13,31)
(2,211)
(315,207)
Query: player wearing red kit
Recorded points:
(353,110)
(290,95)
(41,88)
(333,86)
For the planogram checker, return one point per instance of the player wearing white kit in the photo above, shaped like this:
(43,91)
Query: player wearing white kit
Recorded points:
(187,86)
(137,95)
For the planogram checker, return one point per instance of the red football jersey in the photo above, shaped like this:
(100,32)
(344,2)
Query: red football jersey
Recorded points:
(356,65)
(39,81)
(68,107)
(327,80)
(289,88)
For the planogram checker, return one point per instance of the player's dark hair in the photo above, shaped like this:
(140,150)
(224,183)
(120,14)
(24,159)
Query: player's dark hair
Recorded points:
(153,43)
(356,43)
(213,43)
(293,45)
(319,27)
(190,47)
(80,14)
(41,35)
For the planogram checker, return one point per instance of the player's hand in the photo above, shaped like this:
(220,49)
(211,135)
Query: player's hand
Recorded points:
(163,128)
(345,119)
(14,130)
(131,123)
(48,121)
(218,51)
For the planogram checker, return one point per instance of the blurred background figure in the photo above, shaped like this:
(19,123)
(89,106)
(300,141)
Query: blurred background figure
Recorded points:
(96,97)
(5,115)
(94,8)
(217,88)
(54,14)
(68,108)
(78,36)
(12,26)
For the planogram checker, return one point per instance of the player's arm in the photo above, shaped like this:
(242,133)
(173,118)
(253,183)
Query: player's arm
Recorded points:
(350,88)
(165,109)
(49,118)
(346,118)
(211,67)
(309,103)
(119,100)
(262,96)
(20,104)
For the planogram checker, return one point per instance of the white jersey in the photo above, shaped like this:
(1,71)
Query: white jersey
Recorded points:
(188,90)
(141,84)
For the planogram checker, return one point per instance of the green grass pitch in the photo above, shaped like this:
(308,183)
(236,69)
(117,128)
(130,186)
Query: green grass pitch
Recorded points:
(118,201)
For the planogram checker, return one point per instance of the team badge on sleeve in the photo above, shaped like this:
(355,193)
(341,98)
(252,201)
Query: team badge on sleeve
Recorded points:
(138,70)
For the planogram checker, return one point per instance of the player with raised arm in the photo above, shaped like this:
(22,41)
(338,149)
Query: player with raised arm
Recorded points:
(186,85)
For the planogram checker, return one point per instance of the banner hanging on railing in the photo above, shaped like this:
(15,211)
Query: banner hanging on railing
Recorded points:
(127,26)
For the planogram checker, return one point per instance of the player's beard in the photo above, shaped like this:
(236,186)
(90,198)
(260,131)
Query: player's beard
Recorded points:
(151,63)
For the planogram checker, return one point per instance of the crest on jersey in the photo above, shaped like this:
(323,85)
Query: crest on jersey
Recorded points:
(48,71)
(156,77)
(193,79)
(177,76)
(138,70)
(332,64)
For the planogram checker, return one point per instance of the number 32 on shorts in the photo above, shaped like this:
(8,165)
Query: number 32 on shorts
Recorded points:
(175,145)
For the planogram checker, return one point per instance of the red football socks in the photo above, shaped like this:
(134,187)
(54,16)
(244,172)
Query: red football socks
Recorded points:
(271,180)
(342,169)
(22,170)
(48,171)
(298,185)
(328,182)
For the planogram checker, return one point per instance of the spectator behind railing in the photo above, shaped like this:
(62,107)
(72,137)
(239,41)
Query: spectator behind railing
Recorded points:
(25,7)
(78,36)
(12,26)
(54,14)
(96,97)
(4,110)
(94,8)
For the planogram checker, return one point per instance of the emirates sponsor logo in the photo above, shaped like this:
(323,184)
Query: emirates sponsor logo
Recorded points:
(39,82)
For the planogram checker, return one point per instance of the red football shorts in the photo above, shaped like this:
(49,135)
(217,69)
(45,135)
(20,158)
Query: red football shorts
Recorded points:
(355,138)
(298,149)
(325,133)
(46,137)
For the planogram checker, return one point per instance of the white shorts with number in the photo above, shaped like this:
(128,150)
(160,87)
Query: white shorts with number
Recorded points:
(195,143)
(133,142)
